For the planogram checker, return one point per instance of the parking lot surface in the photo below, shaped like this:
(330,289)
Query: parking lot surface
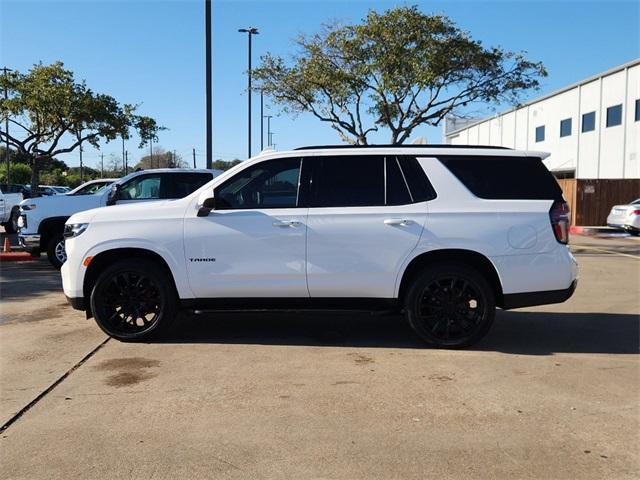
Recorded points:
(551,392)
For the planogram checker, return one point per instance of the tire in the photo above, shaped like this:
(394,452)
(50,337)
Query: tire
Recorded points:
(55,251)
(134,300)
(12,224)
(450,305)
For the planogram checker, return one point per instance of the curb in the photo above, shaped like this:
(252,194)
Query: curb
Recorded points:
(16,257)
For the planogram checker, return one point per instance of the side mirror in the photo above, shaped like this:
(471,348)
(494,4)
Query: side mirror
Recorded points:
(207,205)
(114,194)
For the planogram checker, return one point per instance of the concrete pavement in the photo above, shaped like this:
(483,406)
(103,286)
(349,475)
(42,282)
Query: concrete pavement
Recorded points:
(552,392)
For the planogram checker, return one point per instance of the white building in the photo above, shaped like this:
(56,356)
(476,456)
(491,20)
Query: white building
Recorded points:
(591,128)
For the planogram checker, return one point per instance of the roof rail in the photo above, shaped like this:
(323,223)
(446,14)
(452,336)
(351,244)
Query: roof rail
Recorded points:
(323,147)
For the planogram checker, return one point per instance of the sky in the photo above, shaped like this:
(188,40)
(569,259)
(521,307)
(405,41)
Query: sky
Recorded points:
(152,53)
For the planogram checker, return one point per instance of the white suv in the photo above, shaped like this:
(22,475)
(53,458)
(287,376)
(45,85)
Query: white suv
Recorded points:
(442,234)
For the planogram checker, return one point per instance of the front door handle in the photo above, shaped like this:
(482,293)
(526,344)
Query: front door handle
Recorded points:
(286,223)
(398,221)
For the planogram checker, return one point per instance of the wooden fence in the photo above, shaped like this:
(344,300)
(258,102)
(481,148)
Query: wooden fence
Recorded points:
(591,200)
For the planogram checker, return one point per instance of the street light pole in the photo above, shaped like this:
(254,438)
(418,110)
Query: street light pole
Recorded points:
(249,31)
(6,121)
(207,22)
(268,117)
(261,120)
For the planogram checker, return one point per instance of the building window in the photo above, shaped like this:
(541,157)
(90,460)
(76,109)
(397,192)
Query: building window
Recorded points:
(588,122)
(637,117)
(565,127)
(614,115)
(540,133)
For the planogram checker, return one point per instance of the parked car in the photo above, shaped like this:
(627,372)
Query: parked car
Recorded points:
(9,210)
(442,234)
(16,188)
(61,190)
(626,217)
(42,219)
(47,191)
(92,186)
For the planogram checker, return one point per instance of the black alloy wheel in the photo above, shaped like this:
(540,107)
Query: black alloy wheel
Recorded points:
(450,306)
(56,253)
(133,300)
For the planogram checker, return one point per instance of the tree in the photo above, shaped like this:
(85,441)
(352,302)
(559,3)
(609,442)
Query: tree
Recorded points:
(224,164)
(55,114)
(161,159)
(396,70)
(18,173)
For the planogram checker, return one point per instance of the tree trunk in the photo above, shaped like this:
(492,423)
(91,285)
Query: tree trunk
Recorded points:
(35,176)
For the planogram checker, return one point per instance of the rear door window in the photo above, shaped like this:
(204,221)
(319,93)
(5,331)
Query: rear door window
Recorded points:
(347,181)
(504,178)
(179,185)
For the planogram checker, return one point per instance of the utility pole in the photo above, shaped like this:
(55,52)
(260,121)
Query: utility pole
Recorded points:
(151,153)
(6,122)
(174,159)
(126,162)
(102,165)
(207,22)
(193,150)
(124,168)
(268,117)
(261,120)
(249,31)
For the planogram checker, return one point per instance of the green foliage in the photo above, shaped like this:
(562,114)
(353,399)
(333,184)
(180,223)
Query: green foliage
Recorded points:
(18,173)
(225,165)
(398,70)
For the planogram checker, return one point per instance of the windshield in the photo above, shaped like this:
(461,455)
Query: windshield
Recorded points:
(92,188)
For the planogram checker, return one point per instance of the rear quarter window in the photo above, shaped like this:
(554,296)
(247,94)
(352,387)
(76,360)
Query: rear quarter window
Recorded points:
(504,178)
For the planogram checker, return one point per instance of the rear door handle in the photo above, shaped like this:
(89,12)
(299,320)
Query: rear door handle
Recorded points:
(286,223)
(398,221)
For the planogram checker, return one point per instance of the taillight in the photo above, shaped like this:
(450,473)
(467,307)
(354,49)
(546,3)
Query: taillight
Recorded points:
(560,217)
(635,212)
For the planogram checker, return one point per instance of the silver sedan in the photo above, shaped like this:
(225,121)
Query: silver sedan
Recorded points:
(626,217)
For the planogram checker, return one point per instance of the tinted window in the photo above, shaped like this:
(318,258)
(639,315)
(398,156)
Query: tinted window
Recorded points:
(565,127)
(143,187)
(347,181)
(637,115)
(397,188)
(270,184)
(419,185)
(614,115)
(540,133)
(505,178)
(588,122)
(179,185)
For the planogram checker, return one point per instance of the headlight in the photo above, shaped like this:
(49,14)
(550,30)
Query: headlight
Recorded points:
(28,207)
(74,229)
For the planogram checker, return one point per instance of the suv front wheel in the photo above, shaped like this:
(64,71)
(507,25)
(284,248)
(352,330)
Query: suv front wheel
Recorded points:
(133,300)
(450,305)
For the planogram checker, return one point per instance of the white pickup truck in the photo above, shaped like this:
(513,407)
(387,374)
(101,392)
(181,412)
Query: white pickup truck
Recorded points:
(10,210)
(42,219)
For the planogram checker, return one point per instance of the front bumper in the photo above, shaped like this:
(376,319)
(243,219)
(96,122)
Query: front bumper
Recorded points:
(29,241)
(77,303)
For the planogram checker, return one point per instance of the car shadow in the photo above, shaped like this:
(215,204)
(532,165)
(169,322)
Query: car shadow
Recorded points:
(514,332)
(24,280)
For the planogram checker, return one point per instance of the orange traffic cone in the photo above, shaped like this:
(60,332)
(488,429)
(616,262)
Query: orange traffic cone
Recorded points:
(7,245)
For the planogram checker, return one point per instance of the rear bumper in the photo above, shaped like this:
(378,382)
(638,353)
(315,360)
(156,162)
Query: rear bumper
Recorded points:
(531,299)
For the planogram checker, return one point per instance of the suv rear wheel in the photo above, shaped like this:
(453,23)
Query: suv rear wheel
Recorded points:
(450,305)
(133,300)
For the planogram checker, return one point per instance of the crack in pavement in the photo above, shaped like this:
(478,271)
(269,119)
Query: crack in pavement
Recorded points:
(43,394)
